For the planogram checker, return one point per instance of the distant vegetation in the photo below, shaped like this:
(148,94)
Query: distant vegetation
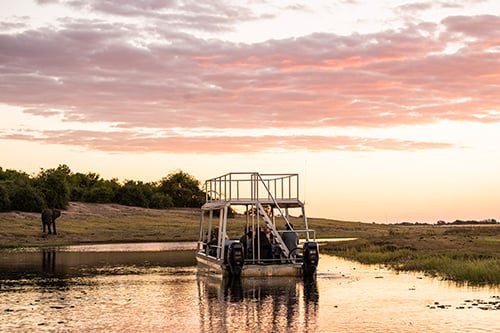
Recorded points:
(55,188)
(456,222)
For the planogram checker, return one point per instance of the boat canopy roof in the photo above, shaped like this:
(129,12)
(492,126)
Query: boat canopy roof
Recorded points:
(247,188)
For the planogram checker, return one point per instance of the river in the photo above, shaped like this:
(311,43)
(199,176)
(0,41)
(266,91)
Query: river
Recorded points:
(156,287)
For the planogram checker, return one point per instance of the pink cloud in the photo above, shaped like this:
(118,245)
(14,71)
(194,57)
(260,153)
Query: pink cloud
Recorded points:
(125,141)
(91,71)
(480,26)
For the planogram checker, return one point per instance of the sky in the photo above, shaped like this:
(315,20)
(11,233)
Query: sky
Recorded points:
(389,111)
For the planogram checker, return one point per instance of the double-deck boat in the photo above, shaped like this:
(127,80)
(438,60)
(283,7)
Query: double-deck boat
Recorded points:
(269,240)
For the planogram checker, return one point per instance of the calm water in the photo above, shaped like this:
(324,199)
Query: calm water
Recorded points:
(155,287)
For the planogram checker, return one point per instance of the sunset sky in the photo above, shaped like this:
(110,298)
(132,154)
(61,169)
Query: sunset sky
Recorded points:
(388,110)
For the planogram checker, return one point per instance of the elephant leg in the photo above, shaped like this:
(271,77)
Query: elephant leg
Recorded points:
(43,227)
(54,227)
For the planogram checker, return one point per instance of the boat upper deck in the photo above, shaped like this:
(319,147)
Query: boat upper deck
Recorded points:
(283,203)
(247,188)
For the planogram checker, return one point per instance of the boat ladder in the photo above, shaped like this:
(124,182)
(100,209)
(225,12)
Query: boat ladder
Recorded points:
(274,232)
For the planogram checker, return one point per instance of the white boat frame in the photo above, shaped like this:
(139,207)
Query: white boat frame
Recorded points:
(265,198)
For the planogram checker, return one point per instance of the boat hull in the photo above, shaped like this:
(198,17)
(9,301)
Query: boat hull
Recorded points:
(214,266)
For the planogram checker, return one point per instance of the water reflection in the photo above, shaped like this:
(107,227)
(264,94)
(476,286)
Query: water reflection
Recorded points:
(50,277)
(58,262)
(98,290)
(54,267)
(280,304)
(49,262)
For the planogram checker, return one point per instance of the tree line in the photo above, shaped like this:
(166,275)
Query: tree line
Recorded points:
(56,187)
(456,222)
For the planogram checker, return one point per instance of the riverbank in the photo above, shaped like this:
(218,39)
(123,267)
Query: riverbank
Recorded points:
(460,253)
(101,223)
(468,254)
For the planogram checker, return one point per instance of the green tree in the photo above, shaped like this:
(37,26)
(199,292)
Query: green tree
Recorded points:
(4,199)
(26,198)
(161,200)
(104,191)
(10,176)
(21,193)
(53,184)
(81,184)
(134,193)
(55,187)
(183,188)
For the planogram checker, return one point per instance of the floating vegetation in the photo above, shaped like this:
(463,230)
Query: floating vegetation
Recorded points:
(490,304)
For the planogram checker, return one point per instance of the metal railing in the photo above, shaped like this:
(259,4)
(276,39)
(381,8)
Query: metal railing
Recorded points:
(252,186)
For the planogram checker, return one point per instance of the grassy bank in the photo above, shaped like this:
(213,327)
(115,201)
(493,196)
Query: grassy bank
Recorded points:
(100,223)
(464,254)
(460,253)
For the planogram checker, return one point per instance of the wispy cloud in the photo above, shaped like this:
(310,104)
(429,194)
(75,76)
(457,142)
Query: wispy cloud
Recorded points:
(188,14)
(127,141)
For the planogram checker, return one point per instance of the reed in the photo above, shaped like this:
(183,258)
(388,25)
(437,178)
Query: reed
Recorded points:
(479,263)
(451,267)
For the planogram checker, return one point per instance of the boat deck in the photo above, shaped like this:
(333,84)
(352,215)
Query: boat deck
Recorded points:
(283,203)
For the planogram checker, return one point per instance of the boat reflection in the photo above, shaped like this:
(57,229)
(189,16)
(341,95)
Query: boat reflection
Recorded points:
(282,304)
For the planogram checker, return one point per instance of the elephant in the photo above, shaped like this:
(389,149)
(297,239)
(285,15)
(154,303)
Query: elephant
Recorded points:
(49,217)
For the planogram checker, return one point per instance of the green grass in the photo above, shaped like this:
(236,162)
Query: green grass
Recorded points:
(460,254)
(452,267)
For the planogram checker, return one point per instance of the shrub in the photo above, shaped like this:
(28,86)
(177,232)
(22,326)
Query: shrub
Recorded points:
(26,199)
(161,200)
(4,199)
(100,194)
(132,194)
